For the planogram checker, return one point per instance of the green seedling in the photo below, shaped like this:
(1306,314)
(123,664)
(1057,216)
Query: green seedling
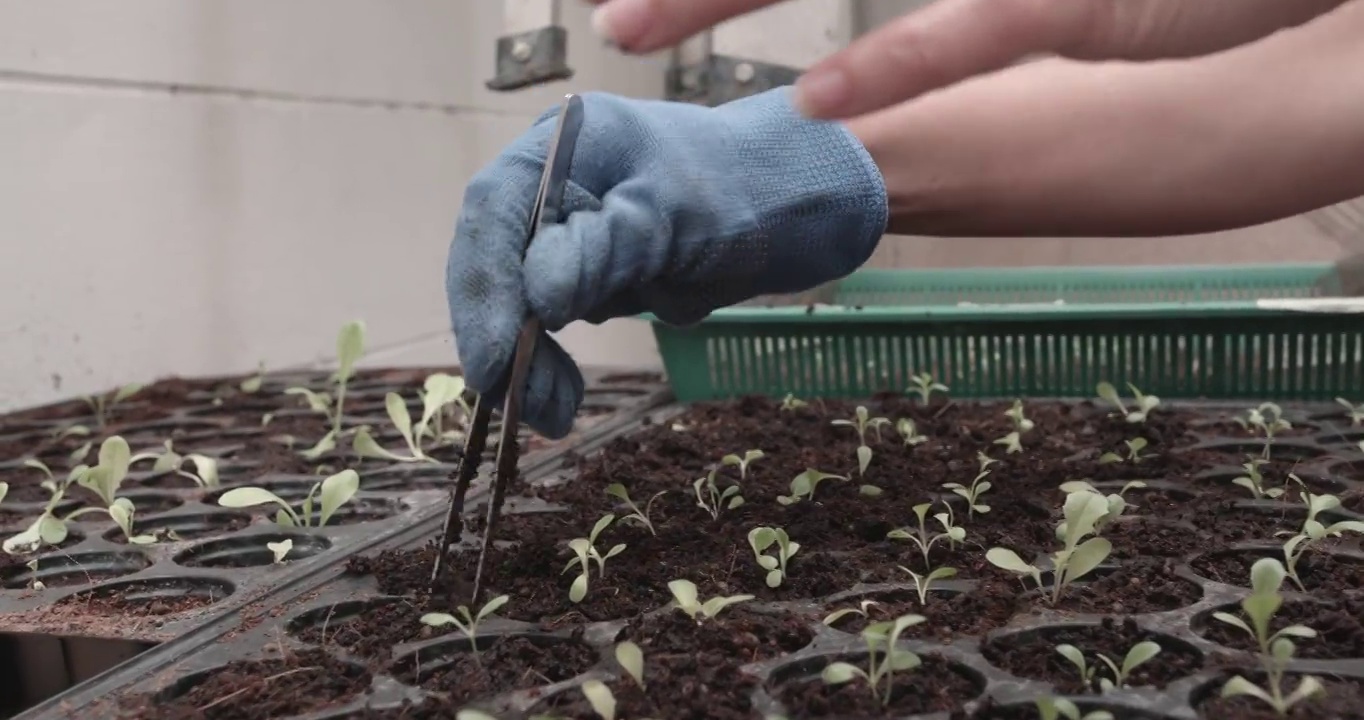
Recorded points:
(102,405)
(440,391)
(1356,412)
(584,553)
(762,538)
(1313,532)
(1117,503)
(712,499)
(468,625)
(1075,559)
(1267,419)
(742,463)
(1138,655)
(599,696)
(67,431)
(1013,442)
(1138,413)
(688,601)
(925,539)
(1276,648)
(861,423)
(863,609)
(205,473)
(252,385)
(924,385)
(884,659)
(328,495)
(1134,456)
(350,345)
(791,402)
(1255,482)
(4,490)
(618,491)
(280,550)
(979,486)
(923,583)
(1055,708)
(803,486)
(909,432)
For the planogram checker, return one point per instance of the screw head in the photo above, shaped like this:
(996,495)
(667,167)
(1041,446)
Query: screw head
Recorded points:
(744,72)
(520,50)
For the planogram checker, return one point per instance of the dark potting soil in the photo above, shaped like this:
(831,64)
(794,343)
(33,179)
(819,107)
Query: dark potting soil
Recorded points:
(1033,655)
(118,602)
(374,631)
(1339,625)
(254,689)
(987,607)
(502,665)
(1342,700)
(741,635)
(1150,537)
(684,686)
(1322,574)
(1143,585)
(934,686)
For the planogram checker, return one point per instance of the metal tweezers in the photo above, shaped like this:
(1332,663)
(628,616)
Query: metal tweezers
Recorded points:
(548,210)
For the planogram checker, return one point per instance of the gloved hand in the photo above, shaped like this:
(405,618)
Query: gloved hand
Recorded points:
(675,209)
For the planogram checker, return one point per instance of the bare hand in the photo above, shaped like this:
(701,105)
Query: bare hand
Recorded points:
(952,40)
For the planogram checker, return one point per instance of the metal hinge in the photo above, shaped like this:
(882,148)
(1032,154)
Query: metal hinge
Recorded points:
(723,78)
(531,58)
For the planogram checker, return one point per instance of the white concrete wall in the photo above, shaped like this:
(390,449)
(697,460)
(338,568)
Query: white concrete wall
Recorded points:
(190,186)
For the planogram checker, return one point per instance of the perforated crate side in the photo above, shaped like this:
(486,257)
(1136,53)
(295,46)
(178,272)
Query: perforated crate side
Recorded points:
(1141,284)
(1223,350)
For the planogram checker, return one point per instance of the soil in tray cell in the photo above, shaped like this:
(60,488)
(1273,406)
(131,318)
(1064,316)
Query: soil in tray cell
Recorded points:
(934,686)
(503,664)
(1343,700)
(1339,626)
(1032,654)
(302,682)
(1323,574)
(739,634)
(372,630)
(949,614)
(694,686)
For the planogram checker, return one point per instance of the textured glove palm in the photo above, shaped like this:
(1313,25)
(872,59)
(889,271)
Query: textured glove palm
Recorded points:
(674,209)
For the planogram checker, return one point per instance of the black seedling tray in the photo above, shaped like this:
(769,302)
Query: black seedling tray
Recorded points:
(300,622)
(220,564)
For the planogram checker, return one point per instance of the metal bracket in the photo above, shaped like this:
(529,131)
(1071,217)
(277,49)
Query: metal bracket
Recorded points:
(531,58)
(722,78)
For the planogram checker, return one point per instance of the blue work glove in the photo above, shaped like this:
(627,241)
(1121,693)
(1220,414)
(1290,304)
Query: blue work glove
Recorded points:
(675,209)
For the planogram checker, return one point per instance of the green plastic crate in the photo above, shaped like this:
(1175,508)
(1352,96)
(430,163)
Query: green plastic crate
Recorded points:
(1179,332)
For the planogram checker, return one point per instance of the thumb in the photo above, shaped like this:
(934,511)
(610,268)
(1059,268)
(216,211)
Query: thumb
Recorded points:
(601,253)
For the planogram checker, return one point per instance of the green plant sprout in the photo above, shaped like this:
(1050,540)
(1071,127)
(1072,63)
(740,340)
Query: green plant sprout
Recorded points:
(977,488)
(714,500)
(584,552)
(1138,413)
(1134,456)
(1254,481)
(742,463)
(1314,531)
(923,538)
(884,659)
(909,432)
(863,609)
(280,550)
(803,486)
(440,391)
(1356,412)
(4,490)
(1267,419)
(205,473)
(599,696)
(1276,649)
(1075,559)
(328,495)
(1137,655)
(1055,708)
(791,402)
(688,601)
(618,491)
(762,538)
(469,625)
(102,405)
(923,583)
(861,422)
(252,385)
(1117,503)
(1013,442)
(924,385)
(350,345)
(67,431)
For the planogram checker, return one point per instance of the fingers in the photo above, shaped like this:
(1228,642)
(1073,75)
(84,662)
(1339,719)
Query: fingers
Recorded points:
(643,26)
(944,43)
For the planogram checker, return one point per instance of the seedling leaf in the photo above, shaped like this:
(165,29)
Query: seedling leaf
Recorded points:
(631,659)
